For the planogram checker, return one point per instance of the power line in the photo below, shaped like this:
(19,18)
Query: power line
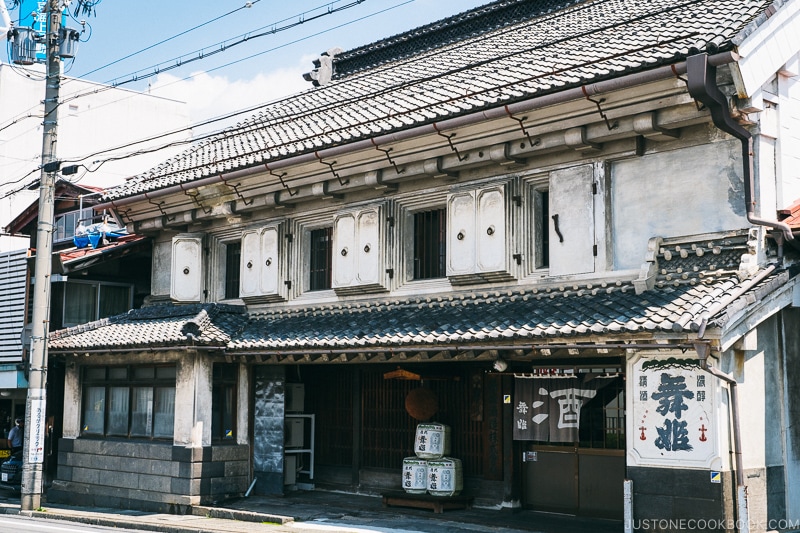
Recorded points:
(232,131)
(246,6)
(226,133)
(104,88)
(180,63)
(225,45)
(242,111)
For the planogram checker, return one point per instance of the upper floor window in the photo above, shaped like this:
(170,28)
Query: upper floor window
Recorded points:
(233,254)
(320,259)
(430,240)
(564,232)
(129,401)
(86,301)
(67,222)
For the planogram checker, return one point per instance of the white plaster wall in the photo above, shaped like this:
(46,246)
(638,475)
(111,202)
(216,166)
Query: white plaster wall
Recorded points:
(160,279)
(668,194)
(193,401)
(788,164)
(752,409)
(243,406)
(71,428)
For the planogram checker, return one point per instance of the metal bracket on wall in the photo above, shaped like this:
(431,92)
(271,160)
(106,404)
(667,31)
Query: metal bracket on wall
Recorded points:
(235,189)
(280,178)
(521,121)
(603,115)
(125,216)
(194,197)
(450,142)
(333,171)
(157,204)
(386,153)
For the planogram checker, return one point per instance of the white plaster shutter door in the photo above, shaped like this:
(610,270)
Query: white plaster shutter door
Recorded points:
(571,233)
(369,246)
(344,253)
(461,233)
(250,264)
(187,268)
(491,230)
(270,261)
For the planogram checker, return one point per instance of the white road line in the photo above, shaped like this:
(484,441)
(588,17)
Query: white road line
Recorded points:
(61,527)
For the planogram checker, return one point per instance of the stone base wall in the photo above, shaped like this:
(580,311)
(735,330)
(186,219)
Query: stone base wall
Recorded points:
(147,476)
(667,499)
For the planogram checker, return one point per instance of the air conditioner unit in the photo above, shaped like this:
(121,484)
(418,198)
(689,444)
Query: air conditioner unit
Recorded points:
(295,398)
(293,433)
(290,469)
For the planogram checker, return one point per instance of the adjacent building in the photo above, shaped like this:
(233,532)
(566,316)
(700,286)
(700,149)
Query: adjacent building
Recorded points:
(96,122)
(552,226)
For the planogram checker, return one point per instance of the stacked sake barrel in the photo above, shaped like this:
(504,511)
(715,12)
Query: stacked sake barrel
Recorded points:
(430,471)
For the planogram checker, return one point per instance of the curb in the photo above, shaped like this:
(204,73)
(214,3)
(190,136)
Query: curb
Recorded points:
(242,516)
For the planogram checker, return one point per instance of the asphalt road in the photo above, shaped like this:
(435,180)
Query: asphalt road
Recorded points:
(23,524)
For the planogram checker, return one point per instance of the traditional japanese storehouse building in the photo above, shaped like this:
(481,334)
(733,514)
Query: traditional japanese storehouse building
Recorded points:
(552,226)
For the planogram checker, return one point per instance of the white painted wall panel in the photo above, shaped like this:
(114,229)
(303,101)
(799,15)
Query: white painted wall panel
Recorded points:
(461,233)
(249,280)
(344,253)
(669,194)
(788,141)
(271,261)
(491,230)
(572,213)
(187,268)
(369,247)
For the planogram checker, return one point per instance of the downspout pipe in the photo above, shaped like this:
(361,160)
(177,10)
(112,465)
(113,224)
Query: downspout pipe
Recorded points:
(575,93)
(743,515)
(702,84)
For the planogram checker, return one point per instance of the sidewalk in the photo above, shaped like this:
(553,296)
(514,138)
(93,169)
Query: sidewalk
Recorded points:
(318,511)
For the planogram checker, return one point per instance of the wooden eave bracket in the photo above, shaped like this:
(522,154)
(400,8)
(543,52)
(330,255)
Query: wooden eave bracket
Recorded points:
(576,139)
(646,125)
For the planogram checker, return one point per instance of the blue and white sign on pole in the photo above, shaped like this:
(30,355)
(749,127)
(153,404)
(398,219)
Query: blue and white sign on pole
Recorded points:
(37,429)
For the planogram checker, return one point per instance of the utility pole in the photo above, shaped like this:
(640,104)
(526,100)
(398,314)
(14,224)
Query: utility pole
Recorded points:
(35,419)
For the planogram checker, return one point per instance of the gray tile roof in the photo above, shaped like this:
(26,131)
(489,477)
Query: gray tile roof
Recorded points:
(503,317)
(155,326)
(583,42)
(508,316)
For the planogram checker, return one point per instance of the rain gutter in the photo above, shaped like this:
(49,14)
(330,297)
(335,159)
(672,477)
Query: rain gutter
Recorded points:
(396,350)
(576,93)
(701,74)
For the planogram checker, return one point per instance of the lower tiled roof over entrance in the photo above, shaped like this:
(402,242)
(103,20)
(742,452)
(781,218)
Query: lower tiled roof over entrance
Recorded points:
(450,322)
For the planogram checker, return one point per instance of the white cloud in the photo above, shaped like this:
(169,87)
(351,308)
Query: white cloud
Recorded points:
(209,96)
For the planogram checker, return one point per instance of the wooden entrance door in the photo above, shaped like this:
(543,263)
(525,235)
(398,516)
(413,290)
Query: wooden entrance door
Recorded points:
(566,479)
(584,477)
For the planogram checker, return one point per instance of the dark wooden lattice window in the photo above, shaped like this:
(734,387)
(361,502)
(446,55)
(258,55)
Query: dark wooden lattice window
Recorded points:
(389,431)
(329,395)
(603,418)
(429,244)
(233,255)
(223,402)
(320,259)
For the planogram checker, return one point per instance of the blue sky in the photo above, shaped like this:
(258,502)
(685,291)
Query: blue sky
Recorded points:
(256,71)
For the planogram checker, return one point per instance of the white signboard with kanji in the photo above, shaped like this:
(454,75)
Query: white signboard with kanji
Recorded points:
(673,420)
